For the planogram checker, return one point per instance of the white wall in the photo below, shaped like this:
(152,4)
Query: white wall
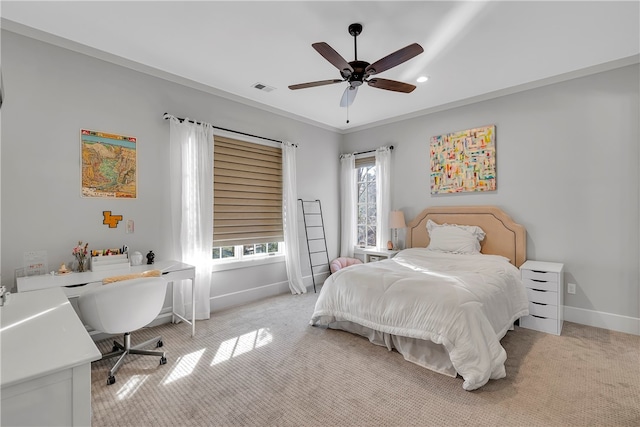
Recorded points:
(52,93)
(567,169)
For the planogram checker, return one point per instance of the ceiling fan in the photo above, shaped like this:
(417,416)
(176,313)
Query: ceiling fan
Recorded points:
(358,72)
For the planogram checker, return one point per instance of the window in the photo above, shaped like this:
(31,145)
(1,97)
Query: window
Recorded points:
(366,182)
(224,252)
(243,252)
(247,207)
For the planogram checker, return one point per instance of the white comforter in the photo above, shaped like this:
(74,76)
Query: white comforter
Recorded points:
(467,303)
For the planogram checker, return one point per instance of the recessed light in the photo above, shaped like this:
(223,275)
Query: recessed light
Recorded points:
(422,79)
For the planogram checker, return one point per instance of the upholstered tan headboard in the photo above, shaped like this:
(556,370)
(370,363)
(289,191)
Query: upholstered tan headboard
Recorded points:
(503,236)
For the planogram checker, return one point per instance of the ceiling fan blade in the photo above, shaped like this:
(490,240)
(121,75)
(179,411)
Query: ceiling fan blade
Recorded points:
(395,58)
(348,96)
(314,84)
(332,56)
(393,85)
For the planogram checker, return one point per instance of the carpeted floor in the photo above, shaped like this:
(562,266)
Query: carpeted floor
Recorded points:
(263,365)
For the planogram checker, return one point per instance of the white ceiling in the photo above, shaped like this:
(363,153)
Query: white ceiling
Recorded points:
(472,50)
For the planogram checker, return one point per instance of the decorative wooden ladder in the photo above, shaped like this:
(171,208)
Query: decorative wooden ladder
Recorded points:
(315,236)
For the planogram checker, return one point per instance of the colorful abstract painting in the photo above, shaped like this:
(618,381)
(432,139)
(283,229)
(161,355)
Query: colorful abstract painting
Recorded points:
(108,165)
(464,161)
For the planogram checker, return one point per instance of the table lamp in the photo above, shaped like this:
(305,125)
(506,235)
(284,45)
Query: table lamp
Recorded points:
(396,220)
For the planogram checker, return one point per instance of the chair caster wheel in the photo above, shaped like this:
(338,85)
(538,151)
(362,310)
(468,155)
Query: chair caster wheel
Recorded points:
(163,360)
(159,344)
(111,380)
(115,348)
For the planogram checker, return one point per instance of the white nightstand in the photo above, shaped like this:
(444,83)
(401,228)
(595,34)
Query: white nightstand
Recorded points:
(544,285)
(376,254)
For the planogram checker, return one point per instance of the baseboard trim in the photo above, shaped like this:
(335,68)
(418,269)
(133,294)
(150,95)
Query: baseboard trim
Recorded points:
(599,319)
(233,299)
(320,278)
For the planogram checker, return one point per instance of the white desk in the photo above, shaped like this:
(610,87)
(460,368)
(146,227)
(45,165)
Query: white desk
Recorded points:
(76,283)
(46,361)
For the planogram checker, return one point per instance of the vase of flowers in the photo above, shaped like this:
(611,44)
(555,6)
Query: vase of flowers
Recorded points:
(80,253)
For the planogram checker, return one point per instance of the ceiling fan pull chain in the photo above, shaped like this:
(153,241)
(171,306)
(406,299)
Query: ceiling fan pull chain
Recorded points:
(347,110)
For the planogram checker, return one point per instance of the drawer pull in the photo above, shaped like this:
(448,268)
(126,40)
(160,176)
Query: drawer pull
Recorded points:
(537,280)
(538,271)
(539,303)
(539,317)
(538,290)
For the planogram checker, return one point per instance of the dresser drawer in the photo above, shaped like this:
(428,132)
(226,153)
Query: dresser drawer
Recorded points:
(540,324)
(543,310)
(547,276)
(545,297)
(540,284)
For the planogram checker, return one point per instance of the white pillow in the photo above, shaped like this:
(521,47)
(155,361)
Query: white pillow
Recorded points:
(454,238)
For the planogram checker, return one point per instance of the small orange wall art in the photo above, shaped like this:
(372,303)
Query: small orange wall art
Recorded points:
(464,161)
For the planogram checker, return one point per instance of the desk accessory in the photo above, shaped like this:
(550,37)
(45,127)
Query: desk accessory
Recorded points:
(63,269)
(80,253)
(109,259)
(109,262)
(35,263)
(136,258)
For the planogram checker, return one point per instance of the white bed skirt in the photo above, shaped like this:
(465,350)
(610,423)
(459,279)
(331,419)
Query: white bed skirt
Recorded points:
(421,352)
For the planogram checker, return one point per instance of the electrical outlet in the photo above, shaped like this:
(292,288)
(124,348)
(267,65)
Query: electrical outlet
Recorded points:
(571,288)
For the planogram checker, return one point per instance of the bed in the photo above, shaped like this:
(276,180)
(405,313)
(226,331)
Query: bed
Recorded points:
(446,301)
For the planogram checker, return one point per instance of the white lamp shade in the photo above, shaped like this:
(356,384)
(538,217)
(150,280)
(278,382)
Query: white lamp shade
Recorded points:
(396,219)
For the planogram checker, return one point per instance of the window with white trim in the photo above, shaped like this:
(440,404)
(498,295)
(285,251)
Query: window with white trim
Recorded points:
(247,207)
(366,209)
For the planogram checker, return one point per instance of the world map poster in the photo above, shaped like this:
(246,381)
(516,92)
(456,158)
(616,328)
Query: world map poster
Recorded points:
(108,165)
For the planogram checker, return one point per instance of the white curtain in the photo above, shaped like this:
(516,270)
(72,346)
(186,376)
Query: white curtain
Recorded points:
(290,219)
(383,195)
(191,193)
(348,204)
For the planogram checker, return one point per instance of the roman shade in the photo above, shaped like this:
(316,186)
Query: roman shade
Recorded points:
(247,187)
(365,161)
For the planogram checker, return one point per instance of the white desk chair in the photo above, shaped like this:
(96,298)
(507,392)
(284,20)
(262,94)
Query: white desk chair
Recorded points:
(122,307)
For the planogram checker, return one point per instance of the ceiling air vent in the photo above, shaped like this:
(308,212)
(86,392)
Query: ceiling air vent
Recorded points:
(263,87)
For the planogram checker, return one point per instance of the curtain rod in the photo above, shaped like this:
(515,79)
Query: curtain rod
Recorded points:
(370,151)
(167,116)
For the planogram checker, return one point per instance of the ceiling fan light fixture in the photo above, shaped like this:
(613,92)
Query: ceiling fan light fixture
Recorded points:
(357,72)
(422,79)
